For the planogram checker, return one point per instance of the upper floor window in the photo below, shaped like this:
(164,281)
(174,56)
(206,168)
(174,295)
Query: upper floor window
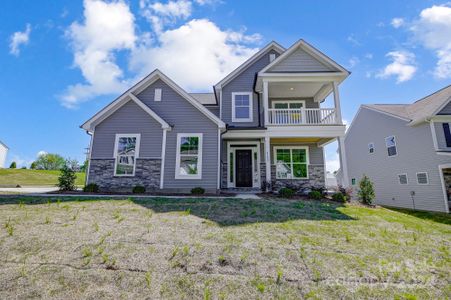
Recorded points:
(126,150)
(242,107)
(188,164)
(291,162)
(371,148)
(422,178)
(447,133)
(390,142)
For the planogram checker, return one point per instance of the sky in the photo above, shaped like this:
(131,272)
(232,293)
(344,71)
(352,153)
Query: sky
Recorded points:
(62,61)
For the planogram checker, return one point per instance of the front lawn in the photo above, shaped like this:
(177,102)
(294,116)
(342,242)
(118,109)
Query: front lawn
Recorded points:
(219,249)
(22,177)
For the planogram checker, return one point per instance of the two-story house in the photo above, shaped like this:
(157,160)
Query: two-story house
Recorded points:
(405,149)
(3,153)
(263,126)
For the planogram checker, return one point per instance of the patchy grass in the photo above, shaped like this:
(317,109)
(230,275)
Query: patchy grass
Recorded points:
(13,177)
(220,249)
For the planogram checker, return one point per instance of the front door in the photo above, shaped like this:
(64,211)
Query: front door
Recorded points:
(243,168)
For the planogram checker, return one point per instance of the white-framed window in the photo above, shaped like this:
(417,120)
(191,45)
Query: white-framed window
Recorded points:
(242,107)
(371,148)
(188,164)
(288,104)
(126,151)
(291,162)
(402,178)
(422,178)
(157,96)
(390,142)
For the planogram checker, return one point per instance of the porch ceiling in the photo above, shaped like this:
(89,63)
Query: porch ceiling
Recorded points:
(296,140)
(294,89)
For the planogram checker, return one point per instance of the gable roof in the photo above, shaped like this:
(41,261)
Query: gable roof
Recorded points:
(205,98)
(141,85)
(1,143)
(310,50)
(420,110)
(272,45)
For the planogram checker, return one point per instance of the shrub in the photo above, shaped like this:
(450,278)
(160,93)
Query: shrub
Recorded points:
(66,180)
(366,192)
(315,195)
(339,197)
(138,189)
(198,191)
(13,165)
(286,192)
(319,189)
(91,188)
(345,191)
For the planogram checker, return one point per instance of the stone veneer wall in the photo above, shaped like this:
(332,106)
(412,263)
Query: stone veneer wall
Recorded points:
(147,174)
(316,179)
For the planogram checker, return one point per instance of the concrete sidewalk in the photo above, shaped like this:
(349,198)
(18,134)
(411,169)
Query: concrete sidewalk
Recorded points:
(28,190)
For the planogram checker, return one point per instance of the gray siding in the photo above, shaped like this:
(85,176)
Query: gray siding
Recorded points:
(214,110)
(446,110)
(440,134)
(300,61)
(130,118)
(184,118)
(416,153)
(244,82)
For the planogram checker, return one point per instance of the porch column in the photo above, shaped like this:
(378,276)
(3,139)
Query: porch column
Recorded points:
(343,162)
(267,161)
(265,102)
(337,103)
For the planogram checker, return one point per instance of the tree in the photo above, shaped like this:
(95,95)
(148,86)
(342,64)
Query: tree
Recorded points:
(33,165)
(13,165)
(49,161)
(66,180)
(366,192)
(84,166)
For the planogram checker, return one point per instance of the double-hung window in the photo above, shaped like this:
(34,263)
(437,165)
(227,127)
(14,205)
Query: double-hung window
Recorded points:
(390,142)
(189,156)
(126,150)
(291,162)
(447,132)
(242,107)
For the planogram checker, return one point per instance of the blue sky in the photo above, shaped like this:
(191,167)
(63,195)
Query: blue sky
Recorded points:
(61,61)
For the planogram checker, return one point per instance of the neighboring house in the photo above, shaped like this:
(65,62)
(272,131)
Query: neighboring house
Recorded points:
(3,153)
(262,127)
(405,149)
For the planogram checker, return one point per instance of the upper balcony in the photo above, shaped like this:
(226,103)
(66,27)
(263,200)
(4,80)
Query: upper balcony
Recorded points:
(302,116)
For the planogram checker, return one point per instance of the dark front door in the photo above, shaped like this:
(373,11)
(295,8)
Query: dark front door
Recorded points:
(243,168)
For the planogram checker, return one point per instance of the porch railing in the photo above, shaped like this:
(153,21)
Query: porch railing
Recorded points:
(302,116)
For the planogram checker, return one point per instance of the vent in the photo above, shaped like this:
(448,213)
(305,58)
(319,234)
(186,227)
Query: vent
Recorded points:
(422,178)
(157,95)
(272,57)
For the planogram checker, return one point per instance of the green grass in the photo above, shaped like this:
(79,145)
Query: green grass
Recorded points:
(13,177)
(223,249)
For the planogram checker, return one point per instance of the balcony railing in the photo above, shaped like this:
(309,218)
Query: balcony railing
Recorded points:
(303,116)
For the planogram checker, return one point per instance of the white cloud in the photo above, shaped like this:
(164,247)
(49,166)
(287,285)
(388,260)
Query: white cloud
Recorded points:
(19,38)
(369,55)
(397,22)
(353,61)
(433,31)
(42,152)
(351,38)
(403,66)
(108,27)
(159,14)
(196,55)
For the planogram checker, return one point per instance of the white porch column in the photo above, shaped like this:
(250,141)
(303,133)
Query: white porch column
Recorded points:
(343,162)
(267,161)
(337,103)
(265,102)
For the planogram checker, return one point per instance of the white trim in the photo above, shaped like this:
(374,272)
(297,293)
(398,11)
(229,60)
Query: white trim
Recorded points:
(343,161)
(267,161)
(441,118)
(396,145)
(272,57)
(251,107)
(307,160)
(427,178)
(218,185)
(442,180)
(220,104)
(272,45)
(273,102)
(147,109)
(321,57)
(319,131)
(254,146)
(385,113)
(157,96)
(442,106)
(399,180)
(137,147)
(163,159)
(90,156)
(199,157)
(434,135)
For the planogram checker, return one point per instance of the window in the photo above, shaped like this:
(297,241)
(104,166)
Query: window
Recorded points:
(402,178)
(371,148)
(157,96)
(126,151)
(422,178)
(291,163)
(447,132)
(189,156)
(242,107)
(353,181)
(390,142)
